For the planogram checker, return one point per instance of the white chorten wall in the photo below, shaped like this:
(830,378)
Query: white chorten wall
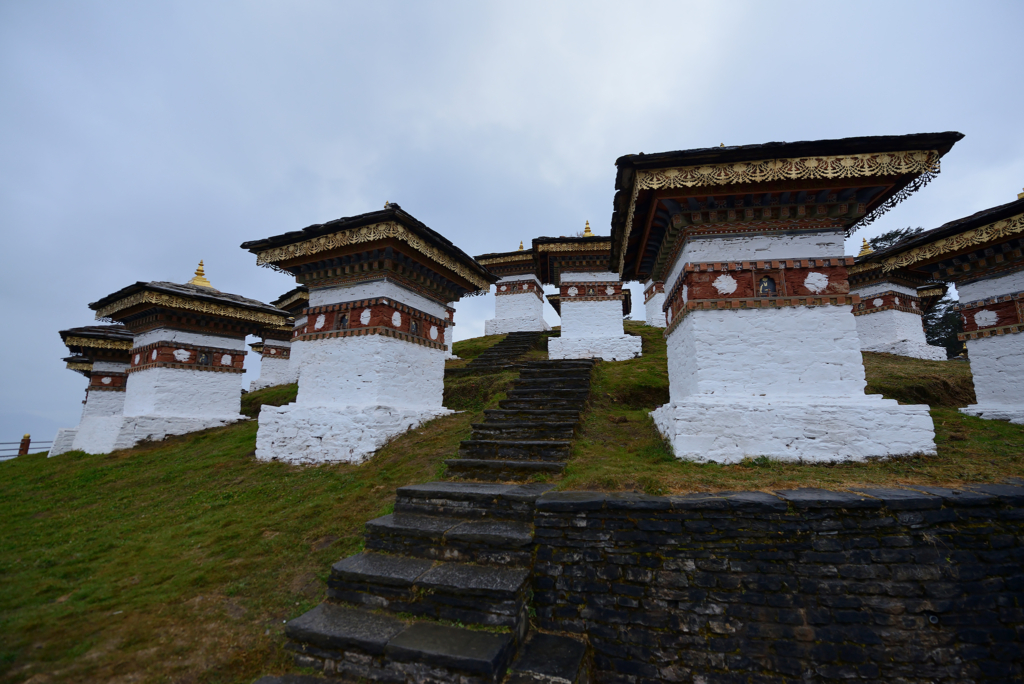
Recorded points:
(997,361)
(275,366)
(891,330)
(103,411)
(519,312)
(654,303)
(592,326)
(164,401)
(357,391)
(784,382)
(63,442)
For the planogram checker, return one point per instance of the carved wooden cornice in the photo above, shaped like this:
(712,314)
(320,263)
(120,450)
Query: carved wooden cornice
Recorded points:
(955,243)
(187,304)
(97,343)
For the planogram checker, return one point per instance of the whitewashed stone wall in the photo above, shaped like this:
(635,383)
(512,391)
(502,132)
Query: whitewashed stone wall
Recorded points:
(896,332)
(998,367)
(655,308)
(168,335)
(353,397)
(275,370)
(179,392)
(786,383)
(592,330)
(991,287)
(378,288)
(63,442)
(519,312)
(449,340)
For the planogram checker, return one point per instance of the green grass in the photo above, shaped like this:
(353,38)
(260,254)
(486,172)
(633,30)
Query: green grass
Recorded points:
(179,561)
(620,449)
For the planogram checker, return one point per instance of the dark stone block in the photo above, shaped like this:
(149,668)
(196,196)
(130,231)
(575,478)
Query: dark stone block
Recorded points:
(335,627)
(460,649)
(527,493)
(634,501)
(556,658)
(756,502)
(958,497)
(380,569)
(823,498)
(480,580)
(903,499)
(698,501)
(1008,494)
(571,501)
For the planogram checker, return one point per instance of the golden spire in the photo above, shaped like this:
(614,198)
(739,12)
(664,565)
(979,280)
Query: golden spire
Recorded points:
(865,248)
(200,277)
(1020,195)
(586,231)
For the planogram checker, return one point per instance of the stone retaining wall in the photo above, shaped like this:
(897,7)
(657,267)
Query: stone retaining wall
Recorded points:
(808,586)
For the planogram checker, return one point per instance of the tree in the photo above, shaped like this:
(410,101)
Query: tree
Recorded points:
(941,325)
(891,237)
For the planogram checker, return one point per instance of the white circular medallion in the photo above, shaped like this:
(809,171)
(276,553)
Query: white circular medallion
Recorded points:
(896,301)
(433,332)
(225,360)
(153,355)
(181,355)
(725,284)
(573,291)
(504,287)
(273,352)
(364,317)
(913,304)
(609,290)
(876,302)
(816,282)
(396,319)
(985,318)
(319,322)
(137,358)
(106,381)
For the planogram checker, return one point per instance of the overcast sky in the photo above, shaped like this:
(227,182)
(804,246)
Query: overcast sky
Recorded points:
(139,137)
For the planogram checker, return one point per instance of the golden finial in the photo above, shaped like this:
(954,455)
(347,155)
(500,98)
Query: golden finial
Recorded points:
(28,436)
(387,204)
(1020,195)
(722,145)
(586,231)
(200,277)
(520,245)
(865,248)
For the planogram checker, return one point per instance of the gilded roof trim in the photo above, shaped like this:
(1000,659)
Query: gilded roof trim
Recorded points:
(188,304)
(971,238)
(97,343)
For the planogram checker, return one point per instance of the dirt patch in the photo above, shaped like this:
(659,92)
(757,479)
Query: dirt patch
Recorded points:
(324,542)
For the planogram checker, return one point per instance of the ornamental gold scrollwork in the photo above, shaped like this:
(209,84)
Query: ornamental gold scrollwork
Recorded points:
(573,247)
(371,233)
(527,256)
(186,304)
(79,366)
(97,343)
(922,162)
(297,297)
(955,243)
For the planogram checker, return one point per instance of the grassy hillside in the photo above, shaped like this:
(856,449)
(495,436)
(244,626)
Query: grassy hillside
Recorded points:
(179,561)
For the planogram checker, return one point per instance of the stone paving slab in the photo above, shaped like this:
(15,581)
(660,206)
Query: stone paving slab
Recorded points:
(485,580)
(335,627)
(461,649)
(494,532)
(379,568)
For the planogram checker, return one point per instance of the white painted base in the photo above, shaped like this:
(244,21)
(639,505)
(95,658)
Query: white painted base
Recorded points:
(729,430)
(896,332)
(63,442)
(101,422)
(502,326)
(1014,414)
(136,429)
(997,364)
(449,340)
(274,372)
(655,313)
(321,434)
(180,392)
(618,348)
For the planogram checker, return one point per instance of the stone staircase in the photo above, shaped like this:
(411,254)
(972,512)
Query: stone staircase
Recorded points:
(440,594)
(532,431)
(499,356)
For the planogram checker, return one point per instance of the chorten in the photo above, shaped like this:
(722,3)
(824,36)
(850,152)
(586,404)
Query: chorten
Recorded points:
(372,347)
(277,367)
(892,305)
(763,353)
(519,294)
(101,354)
(591,299)
(186,357)
(654,303)
(983,255)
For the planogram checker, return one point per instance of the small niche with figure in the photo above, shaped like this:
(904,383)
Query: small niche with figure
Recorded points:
(414,328)
(766,287)
(341,323)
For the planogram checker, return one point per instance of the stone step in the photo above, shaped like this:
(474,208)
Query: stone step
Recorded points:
(530,430)
(528,373)
(535,393)
(503,416)
(470,501)
(493,596)
(544,384)
(354,643)
(515,449)
(489,542)
(541,404)
(548,658)
(486,469)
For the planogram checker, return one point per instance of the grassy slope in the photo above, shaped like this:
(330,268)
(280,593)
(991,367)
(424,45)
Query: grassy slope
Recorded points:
(630,454)
(179,561)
